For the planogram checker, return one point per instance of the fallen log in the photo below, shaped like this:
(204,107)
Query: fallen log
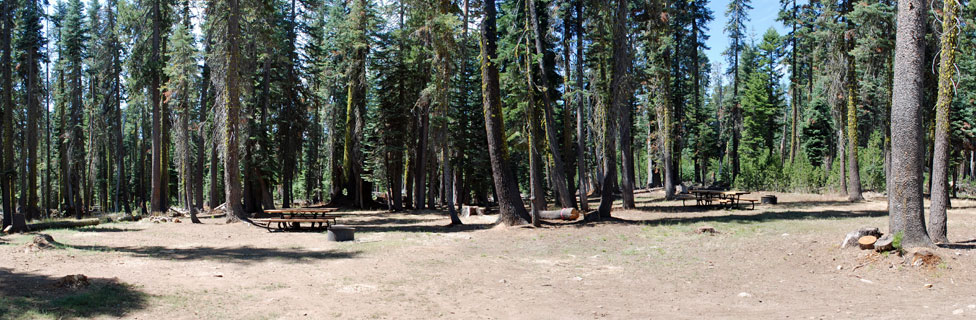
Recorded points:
(562,214)
(63,224)
(213,216)
(128,218)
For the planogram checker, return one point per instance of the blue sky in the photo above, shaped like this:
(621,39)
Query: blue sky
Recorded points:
(762,16)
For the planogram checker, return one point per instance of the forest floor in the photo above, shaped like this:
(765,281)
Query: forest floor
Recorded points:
(779,261)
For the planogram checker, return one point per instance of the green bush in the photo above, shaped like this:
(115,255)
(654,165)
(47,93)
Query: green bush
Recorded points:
(764,172)
(804,176)
(871,160)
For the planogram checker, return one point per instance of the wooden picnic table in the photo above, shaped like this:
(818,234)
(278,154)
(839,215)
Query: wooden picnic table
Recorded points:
(733,198)
(294,218)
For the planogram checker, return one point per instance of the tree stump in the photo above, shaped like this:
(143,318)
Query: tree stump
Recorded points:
(867,242)
(851,239)
(467,211)
(341,233)
(885,243)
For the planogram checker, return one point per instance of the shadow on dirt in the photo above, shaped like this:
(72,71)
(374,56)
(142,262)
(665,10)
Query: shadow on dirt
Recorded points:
(743,218)
(30,296)
(241,255)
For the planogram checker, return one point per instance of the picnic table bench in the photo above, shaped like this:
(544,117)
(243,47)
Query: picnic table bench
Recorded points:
(729,198)
(315,219)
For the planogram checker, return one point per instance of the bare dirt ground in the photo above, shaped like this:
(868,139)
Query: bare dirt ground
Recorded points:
(779,262)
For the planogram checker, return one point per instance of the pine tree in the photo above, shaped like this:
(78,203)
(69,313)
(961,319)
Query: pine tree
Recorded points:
(940,162)
(179,92)
(6,99)
(736,29)
(73,34)
(761,100)
(511,210)
(30,40)
(905,190)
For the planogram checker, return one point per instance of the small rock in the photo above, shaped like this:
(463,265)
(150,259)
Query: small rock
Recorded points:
(502,281)
(219,275)
(176,220)
(73,281)
(867,281)
(839,267)
(786,234)
(706,229)
(928,285)
(578,278)
(972,306)
(744,295)
(957,312)
(44,241)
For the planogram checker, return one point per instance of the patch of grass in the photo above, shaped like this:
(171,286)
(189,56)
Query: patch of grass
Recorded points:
(111,299)
(897,241)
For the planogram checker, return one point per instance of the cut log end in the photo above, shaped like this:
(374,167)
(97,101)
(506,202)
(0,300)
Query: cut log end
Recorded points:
(867,242)
(562,214)
(885,243)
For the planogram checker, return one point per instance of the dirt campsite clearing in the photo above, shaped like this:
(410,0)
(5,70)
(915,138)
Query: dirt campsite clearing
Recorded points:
(777,261)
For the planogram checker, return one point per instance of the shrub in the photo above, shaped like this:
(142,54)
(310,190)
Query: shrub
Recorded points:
(871,161)
(762,173)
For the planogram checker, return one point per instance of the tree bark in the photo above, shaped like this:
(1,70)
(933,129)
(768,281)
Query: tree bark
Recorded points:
(905,191)
(940,162)
(159,167)
(854,174)
(581,105)
(7,176)
(558,172)
(232,176)
(511,209)
(201,145)
(537,193)
(356,108)
(619,99)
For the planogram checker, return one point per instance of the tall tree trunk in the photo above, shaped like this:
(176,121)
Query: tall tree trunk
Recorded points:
(355,108)
(566,198)
(940,163)
(201,147)
(626,149)
(569,156)
(795,96)
(232,175)
(620,96)
(581,105)
(312,171)
(537,195)
(159,167)
(420,165)
(854,175)
(510,206)
(32,90)
(121,180)
(905,192)
(7,176)
(842,152)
